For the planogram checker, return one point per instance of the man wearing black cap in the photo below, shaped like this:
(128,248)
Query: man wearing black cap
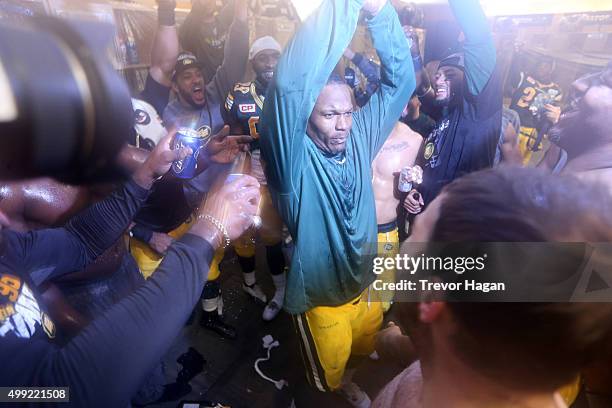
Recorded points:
(198,104)
(198,96)
(469,90)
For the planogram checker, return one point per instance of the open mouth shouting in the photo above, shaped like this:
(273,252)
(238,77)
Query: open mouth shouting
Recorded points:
(197,93)
(267,75)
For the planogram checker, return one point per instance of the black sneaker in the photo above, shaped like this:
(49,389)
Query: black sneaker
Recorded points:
(212,321)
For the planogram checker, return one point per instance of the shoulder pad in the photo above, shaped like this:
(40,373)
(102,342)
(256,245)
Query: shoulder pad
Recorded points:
(229,102)
(242,87)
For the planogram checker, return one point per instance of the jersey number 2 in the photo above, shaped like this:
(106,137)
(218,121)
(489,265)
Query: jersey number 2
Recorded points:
(528,95)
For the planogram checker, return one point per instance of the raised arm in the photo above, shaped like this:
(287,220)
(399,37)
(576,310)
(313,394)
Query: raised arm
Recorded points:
(369,71)
(302,71)
(235,55)
(479,49)
(166,47)
(397,81)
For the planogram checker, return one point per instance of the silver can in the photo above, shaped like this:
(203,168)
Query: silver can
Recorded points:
(408,177)
(405,180)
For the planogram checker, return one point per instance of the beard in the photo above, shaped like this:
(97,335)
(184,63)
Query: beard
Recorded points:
(187,96)
(442,103)
(265,77)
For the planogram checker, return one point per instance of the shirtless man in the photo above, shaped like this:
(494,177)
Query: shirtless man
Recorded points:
(584,133)
(399,151)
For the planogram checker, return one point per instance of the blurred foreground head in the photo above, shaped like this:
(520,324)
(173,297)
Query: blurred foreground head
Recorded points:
(526,347)
(586,120)
(64,111)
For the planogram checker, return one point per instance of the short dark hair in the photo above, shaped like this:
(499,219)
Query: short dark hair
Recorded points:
(335,79)
(527,346)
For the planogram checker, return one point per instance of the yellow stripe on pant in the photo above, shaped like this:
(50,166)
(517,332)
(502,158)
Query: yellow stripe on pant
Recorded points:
(330,335)
(388,246)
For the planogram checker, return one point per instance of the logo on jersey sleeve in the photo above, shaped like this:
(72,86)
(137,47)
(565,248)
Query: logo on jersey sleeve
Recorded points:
(141,117)
(242,88)
(19,310)
(204,132)
(429,150)
(247,108)
(430,154)
(229,102)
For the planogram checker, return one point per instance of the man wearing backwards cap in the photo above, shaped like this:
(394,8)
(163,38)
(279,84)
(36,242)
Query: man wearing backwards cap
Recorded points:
(243,108)
(469,90)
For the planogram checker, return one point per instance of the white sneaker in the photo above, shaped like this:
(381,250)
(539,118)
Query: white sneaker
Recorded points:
(255,292)
(354,395)
(271,311)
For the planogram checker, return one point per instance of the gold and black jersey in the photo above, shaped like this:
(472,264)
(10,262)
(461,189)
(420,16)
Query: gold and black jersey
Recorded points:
(527,93)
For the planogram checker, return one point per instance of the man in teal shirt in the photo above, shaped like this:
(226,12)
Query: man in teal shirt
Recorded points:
(318,153)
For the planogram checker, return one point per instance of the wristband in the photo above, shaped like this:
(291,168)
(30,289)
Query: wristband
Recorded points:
(165,14)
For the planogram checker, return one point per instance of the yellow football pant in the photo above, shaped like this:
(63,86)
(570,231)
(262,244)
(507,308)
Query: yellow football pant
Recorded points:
(148,260)
(526,140)
(270,233)
(388,246)
(330,335)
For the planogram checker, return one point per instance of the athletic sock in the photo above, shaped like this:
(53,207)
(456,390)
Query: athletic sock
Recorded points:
(210,305)
(280,281)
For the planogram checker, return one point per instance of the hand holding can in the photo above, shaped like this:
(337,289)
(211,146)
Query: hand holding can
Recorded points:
(185,137)
(408,177)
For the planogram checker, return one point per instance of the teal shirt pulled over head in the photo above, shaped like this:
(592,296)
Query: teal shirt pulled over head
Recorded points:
(328,203)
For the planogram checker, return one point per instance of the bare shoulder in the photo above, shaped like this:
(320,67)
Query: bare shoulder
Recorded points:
(401,131)
(402,138)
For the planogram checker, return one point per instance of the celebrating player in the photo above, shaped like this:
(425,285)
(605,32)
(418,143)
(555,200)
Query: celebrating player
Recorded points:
(243,108)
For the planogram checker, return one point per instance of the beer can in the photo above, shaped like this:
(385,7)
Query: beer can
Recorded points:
(186,168)
(405,180)
(408,177)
